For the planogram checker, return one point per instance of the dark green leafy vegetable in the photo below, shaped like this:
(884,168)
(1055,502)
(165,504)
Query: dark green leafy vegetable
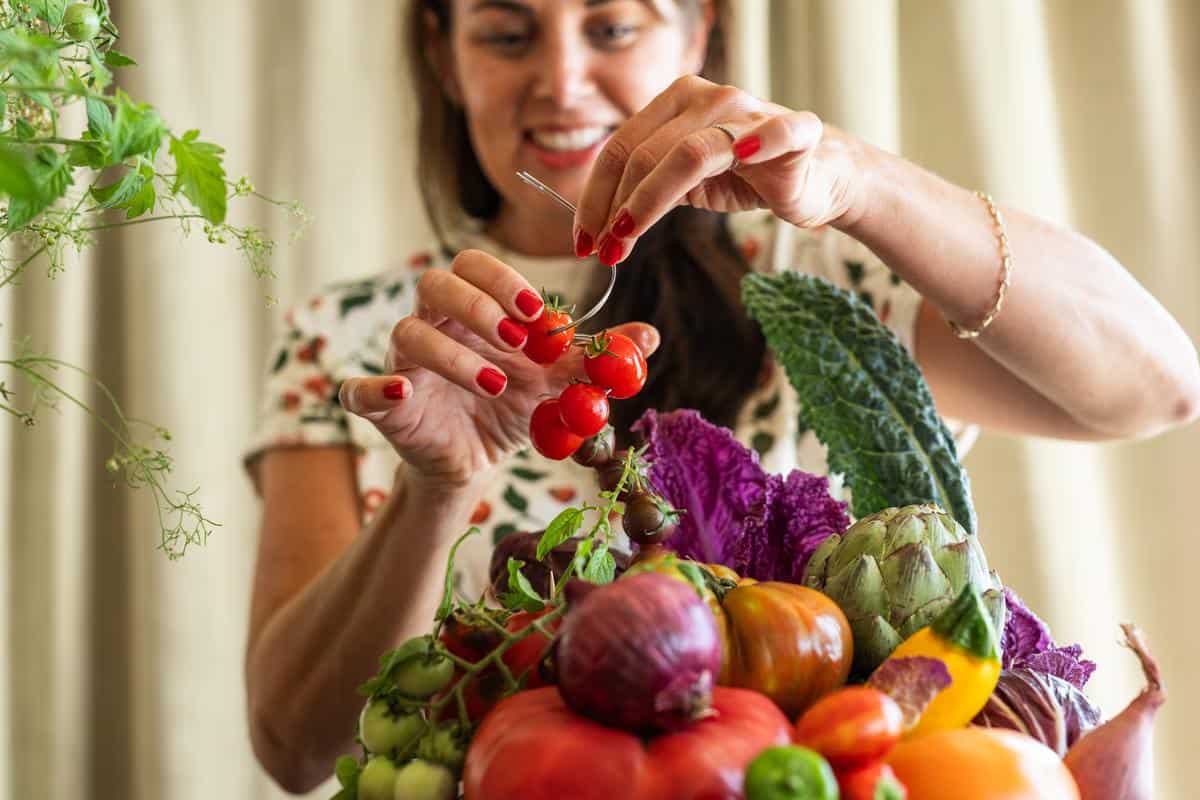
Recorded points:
(862,394)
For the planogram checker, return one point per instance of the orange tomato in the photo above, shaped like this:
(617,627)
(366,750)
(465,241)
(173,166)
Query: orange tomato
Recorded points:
(852,726)
(981,764)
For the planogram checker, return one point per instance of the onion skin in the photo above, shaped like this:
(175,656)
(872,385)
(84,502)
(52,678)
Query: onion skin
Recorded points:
(640,654)
(1116,760)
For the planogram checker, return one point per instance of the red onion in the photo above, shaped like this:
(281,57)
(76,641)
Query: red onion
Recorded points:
(1116,759)
(640,654)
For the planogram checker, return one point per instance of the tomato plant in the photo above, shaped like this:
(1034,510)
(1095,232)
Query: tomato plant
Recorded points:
(542,347)
(549,435)
(584,409)
(614,362)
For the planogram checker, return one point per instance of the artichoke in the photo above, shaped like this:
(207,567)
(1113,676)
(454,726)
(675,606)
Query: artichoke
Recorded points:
(894,571)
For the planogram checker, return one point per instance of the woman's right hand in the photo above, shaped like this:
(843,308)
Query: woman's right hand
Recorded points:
(458,393)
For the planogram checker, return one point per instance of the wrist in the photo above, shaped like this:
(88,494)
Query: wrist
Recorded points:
(439,490)
(867,170)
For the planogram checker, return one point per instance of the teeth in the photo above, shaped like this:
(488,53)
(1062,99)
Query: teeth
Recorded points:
(578,139)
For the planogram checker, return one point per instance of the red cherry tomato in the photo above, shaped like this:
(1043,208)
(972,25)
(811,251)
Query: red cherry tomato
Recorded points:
(549,435)
(873,782)
(851,727)
(617,364)
(584,409)
(543,348)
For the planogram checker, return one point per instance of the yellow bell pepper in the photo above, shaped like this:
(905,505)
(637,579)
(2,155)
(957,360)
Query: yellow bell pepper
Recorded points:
(965,640)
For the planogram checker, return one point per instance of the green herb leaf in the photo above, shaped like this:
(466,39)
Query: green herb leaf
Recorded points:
(120,192)
(16,179)
(347,771)
(100,118)
(521,596)
(601,567)
(561,528)
(138,130)
(115,59)
(52,11)
(52,174)
(863,395)
(447,604)
(198,172)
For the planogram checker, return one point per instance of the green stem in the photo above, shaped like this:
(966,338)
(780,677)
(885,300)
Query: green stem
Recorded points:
(20,267)
(140,221)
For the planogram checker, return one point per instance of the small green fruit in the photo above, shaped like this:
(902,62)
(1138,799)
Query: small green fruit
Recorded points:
(420,780)
(377,780)
(385,732)
(81,22)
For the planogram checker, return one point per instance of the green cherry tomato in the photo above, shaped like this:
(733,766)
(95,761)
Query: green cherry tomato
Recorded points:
(443,745)
(383,731)
(790,773)
(423,676)
(421,780)
(378,779)
(81,22)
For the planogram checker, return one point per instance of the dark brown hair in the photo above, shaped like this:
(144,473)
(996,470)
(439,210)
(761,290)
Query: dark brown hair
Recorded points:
(683,277)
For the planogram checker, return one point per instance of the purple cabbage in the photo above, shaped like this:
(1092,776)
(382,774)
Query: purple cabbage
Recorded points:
(1027,644)
(760,525)
(1041,705)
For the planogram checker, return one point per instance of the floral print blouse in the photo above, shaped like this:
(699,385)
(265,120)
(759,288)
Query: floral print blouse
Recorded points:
(343,331)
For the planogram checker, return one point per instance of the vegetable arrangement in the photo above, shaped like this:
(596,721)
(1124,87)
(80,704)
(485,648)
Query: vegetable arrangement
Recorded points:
(755,644)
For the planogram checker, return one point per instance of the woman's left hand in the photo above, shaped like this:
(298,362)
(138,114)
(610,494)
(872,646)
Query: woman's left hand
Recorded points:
(670,154)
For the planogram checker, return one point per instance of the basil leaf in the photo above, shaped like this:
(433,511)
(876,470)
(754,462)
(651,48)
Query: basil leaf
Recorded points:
(561,528)
(863,395)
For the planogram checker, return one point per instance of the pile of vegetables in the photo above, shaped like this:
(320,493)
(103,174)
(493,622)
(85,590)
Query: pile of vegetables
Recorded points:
(757,644)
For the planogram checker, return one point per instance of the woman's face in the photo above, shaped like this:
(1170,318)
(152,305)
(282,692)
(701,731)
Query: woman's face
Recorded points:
(544,82)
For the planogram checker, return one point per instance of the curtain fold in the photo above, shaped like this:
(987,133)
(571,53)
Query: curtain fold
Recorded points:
(123,670)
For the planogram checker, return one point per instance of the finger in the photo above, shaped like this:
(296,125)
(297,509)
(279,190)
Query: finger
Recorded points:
(447,296)
(416,344)
(790,133)
(503,283)
(693,159)
(372,395)
(592,212)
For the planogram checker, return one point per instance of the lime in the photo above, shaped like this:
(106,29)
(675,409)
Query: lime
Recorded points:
(790,773)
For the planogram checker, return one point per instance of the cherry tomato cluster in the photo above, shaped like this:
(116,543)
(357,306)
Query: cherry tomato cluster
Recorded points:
(616,369)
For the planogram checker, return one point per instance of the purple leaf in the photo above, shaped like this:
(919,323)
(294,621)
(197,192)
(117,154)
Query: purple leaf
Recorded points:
(912,682)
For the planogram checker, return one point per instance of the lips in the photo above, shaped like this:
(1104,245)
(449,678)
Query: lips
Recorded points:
(560,147)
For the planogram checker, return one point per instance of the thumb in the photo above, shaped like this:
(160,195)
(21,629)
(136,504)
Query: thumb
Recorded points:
(644,335)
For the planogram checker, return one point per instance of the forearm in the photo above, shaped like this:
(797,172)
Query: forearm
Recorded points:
(1076,327)
(303,669)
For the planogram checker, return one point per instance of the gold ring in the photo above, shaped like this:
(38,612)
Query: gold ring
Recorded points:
(721,127)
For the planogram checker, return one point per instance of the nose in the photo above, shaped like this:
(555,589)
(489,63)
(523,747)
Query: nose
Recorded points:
(563,69)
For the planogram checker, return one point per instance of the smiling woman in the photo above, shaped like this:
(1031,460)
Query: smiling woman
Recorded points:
(620,107)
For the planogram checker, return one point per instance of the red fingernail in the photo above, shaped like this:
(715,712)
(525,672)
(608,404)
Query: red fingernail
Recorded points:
(623,226)
(491,380)
(747,147)
(529,303)
(584,244)
(395,390)
(611,250)
(513,333)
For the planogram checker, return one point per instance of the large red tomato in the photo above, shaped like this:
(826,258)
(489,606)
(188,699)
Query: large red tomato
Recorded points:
(532,747)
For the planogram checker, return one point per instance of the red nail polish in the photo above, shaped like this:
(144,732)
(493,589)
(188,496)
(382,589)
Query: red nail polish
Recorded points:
(529,303)
(584,244)
(747,147)
(611,250)
(394,390)
(491,380)
(623,226)
(513,333)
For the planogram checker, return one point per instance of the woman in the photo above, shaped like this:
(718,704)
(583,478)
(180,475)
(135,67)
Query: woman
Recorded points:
(364,491)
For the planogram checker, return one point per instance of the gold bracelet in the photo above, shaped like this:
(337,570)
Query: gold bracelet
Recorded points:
(1005,274)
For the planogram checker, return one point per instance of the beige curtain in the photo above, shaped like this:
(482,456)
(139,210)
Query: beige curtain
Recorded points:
(122,671)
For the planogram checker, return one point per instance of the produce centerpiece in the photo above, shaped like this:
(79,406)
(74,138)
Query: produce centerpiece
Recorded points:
(760,639)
